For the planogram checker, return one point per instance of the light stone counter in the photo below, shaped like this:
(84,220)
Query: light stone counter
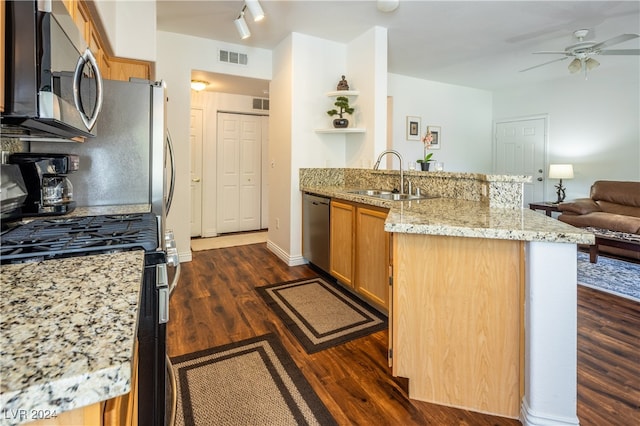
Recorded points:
(68,332)
(102,210)
(463,218)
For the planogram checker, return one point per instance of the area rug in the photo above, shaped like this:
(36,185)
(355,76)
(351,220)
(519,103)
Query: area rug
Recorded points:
(252,382)
(610,275)
(320,314)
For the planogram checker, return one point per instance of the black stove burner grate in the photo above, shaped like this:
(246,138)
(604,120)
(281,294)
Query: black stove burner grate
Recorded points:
(76,236)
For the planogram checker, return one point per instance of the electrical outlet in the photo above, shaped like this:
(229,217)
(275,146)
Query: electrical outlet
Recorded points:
(277,223)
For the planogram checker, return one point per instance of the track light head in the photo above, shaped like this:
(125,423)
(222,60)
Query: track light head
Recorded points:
(255,9)
(241,26)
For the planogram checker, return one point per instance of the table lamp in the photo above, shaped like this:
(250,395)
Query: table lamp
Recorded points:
(560,171)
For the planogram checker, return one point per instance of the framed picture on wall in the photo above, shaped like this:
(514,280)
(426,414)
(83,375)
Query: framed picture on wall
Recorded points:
(413,128)
(437,136)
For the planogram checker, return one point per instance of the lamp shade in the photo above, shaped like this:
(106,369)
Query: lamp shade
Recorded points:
(561,171)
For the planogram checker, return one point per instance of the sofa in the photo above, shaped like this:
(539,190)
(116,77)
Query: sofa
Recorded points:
(612,213)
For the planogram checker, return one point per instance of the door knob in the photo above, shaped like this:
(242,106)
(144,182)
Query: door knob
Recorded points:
(539,179)
(195,180)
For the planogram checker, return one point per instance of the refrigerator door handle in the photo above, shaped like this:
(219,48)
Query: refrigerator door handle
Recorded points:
(173,176)
(87,58)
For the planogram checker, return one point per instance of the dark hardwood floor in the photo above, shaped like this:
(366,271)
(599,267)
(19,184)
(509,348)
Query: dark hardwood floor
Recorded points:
(215,303)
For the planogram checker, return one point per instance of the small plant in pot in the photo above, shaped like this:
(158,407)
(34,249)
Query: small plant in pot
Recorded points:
(424,162)
(342,102)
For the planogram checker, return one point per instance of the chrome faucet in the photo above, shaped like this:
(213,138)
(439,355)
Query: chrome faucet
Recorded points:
(397,154)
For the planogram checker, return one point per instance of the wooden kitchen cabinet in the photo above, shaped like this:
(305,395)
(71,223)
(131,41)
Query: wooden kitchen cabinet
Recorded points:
(360,250)
(341,259)
(372,255)
(111,68)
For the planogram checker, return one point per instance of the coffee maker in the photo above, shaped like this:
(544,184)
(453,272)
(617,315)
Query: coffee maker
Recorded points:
(49,191)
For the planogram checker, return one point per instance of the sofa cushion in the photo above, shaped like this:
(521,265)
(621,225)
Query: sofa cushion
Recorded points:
(622,209)
(618,192)
(613,222)
(579,206)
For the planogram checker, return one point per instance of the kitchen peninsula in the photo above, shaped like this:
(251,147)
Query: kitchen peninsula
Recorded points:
(483,311)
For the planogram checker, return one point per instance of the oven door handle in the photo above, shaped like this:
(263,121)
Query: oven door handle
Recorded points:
(162,285)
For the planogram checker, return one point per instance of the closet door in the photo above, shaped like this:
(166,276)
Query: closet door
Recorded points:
(239,172)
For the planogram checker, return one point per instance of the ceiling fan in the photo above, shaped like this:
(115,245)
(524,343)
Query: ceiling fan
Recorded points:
(583,52)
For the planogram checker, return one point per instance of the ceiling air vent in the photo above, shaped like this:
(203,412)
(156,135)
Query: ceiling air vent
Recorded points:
(232,57)
(262,104)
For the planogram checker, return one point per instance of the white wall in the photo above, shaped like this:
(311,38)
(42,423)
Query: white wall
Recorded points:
(464,115)
(177,56)
(130,27)
(593,123)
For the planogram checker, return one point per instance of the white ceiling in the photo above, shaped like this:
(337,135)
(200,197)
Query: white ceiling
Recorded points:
(481,44)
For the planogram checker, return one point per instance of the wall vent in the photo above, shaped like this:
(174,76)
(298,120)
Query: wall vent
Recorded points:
(232,57)
(261,104)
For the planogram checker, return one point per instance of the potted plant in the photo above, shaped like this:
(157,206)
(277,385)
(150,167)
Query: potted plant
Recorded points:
(425,161)
(342,102)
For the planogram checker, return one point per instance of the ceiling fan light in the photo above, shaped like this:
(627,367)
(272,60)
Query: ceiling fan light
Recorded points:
(591,64)
(241,26)
(575,66)
(256,10)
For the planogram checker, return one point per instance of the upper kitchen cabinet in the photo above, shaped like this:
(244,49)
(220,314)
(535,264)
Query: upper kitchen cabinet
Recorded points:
(2,13)
(111,67)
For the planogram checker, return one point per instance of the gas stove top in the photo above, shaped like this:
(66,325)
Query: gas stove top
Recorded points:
(77,236)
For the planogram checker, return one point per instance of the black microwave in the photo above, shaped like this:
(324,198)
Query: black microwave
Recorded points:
(53,86)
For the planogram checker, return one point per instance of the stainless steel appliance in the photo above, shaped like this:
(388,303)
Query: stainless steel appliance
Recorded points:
(49,191)
(315,230)
(130,161)
(42,45)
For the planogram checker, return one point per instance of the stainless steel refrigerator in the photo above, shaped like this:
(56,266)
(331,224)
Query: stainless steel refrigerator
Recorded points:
(130,159)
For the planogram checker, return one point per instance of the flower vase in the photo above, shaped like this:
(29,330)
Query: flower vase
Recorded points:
(424,166)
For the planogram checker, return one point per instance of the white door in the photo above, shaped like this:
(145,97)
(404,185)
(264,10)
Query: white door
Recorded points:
(239,172)
(196,131)
(265,173)
(520,150)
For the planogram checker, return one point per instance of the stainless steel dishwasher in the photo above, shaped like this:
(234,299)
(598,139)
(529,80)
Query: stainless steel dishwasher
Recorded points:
(315,230)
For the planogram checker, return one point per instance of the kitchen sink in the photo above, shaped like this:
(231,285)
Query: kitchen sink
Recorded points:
(371,192)
(388,195)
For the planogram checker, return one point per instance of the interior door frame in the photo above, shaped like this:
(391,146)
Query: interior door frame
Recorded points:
(545,154)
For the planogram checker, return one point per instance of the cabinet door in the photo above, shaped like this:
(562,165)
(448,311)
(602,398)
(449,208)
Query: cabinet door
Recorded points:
(341,241)
(372,256)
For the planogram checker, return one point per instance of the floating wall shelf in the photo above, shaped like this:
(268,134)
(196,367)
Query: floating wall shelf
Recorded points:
(343,93)
(346,130)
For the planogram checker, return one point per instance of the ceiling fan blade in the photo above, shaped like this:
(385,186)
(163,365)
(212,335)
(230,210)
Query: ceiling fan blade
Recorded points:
(620,52)
(551,52)
(546,63)
(615,40)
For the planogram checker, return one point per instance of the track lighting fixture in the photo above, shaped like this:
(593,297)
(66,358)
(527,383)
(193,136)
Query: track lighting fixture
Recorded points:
(241,25)
(255,9)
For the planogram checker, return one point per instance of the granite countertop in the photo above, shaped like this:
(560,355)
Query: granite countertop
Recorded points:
(68,328)
(102,210)
(463,218)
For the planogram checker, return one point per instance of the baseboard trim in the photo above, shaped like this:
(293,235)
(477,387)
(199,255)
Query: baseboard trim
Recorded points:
(284,256)
(529,417)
